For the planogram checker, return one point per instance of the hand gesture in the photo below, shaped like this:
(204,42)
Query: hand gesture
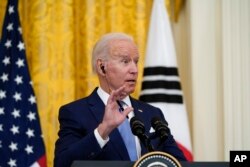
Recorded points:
(112,117)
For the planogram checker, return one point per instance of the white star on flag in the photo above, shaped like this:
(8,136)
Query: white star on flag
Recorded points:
(1,110)
(2,94)
(20,63)
(4,77)
(11,9)
(17,96)
(30,133)
(32,99)
(20,46)
(14,129)
(8,44)
(10,27)
(13,146)
(16,113)
(12,162)
(31,116)
(20,30)
(6,61)
(19,79)
(29,149)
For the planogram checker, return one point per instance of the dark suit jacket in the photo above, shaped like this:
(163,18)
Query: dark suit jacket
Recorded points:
(77,141)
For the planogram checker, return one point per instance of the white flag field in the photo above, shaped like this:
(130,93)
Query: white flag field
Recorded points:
(161,85)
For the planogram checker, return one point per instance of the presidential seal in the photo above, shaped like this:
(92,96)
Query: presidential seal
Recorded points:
(157,159)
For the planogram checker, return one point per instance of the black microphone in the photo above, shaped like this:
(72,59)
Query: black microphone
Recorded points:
(138,129)
(161,129)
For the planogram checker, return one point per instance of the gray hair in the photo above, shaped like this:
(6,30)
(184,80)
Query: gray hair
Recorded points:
(101,48)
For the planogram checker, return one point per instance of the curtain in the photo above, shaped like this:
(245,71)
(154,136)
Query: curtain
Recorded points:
(59,36)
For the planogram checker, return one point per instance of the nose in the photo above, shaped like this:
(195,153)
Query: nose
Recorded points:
(133,68)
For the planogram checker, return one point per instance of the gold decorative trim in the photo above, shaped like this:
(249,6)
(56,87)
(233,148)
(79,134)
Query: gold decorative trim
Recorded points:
(157,158)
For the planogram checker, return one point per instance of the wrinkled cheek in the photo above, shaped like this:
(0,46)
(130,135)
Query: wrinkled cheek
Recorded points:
(130,88)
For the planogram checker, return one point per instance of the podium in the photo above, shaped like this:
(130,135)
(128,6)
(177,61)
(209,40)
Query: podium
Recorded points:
(102,164)
(131,164)
(151,159)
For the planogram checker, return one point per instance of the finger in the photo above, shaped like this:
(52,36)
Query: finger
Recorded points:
(119,90)
(120,93)
(111,97)
(117,94)
(127,111)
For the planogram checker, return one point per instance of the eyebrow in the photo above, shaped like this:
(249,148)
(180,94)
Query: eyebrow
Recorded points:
(127,56)
(122,55)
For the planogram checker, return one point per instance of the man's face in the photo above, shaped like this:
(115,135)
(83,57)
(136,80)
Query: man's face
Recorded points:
(121,66)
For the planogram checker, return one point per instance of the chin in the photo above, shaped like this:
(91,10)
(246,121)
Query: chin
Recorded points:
(130,90)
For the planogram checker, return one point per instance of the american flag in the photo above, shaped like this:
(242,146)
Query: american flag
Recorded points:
(21,141)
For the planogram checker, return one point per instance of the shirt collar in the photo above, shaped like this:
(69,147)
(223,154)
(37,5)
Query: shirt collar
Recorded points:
(104,97)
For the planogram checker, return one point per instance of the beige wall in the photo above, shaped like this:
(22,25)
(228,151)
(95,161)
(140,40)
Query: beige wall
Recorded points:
(213,49)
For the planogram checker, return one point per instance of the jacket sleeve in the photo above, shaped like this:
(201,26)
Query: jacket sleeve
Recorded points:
(74,142)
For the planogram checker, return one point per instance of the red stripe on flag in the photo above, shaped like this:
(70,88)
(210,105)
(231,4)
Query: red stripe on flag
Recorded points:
(42,161)
(186,152)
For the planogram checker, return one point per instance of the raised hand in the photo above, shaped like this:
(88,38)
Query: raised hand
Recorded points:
(112,117)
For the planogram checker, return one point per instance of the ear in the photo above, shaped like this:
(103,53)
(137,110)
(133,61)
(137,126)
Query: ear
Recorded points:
(100,67)
(103,69)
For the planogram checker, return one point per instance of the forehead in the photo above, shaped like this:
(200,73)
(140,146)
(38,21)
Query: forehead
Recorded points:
(121,47)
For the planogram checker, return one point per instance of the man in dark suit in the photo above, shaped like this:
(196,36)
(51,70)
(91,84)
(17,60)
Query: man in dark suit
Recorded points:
(92,128)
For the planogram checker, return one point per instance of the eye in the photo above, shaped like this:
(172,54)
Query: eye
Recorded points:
(136,61)
(125,61)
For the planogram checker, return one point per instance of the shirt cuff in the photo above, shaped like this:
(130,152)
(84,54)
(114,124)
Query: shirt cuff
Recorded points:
(99,139)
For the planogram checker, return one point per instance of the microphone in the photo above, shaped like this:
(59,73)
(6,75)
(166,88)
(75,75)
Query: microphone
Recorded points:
(138,129)
(161,129)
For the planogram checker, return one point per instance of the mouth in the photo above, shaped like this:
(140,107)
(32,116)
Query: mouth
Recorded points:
(133,81)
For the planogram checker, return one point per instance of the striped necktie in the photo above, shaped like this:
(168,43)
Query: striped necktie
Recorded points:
(127,136)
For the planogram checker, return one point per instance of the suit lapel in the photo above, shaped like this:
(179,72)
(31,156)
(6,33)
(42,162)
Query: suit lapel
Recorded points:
(97,108)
